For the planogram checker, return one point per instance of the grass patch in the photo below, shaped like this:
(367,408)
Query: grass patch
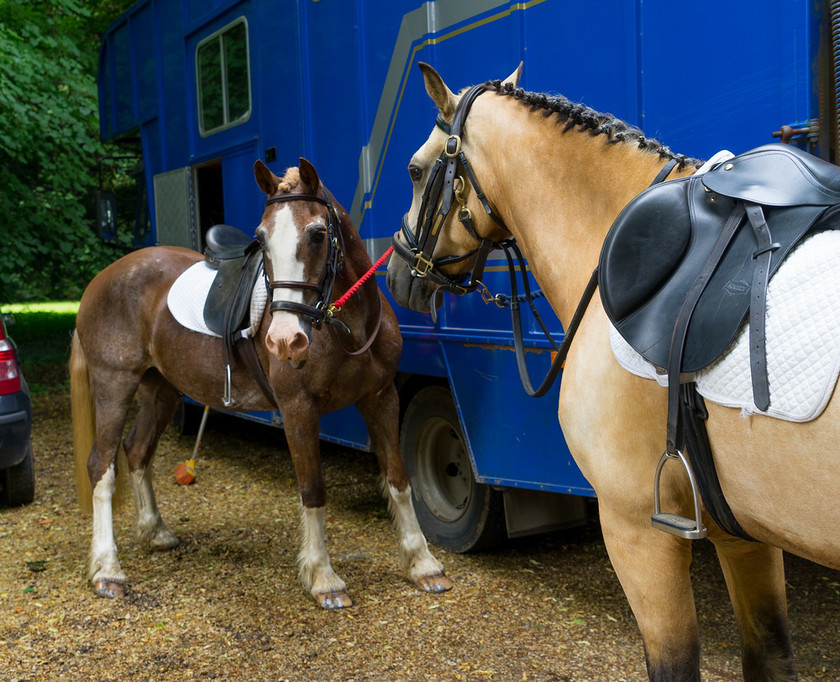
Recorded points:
(42,332)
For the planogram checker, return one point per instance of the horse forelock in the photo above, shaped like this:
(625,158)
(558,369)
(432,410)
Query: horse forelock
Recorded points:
(577,116)
(289,181)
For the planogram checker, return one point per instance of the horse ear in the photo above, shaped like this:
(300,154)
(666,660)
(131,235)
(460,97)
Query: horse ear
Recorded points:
(266,180)
(440,94)
(513,79)
(308,176)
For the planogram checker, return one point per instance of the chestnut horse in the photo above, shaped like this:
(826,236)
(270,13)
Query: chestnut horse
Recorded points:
(556,174)
(127,340)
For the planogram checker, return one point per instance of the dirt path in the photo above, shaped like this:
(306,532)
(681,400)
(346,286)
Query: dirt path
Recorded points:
(227,605)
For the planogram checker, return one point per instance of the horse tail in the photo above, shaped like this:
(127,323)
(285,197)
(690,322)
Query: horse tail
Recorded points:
(84,422)
(84,429)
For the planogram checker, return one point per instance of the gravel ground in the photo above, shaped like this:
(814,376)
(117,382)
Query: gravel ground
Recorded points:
(226,604)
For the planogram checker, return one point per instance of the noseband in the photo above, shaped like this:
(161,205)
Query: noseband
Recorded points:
(324,288)
(443,192)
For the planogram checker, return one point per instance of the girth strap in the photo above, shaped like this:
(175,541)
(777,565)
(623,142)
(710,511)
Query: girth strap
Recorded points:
(697,444)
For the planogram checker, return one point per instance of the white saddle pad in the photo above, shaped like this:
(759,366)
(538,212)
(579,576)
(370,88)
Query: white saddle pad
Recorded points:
(189,292)
(803,340)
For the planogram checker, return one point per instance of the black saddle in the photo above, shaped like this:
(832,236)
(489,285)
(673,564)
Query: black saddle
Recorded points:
(683,266)
(662,241)
(224,242)
(238,261)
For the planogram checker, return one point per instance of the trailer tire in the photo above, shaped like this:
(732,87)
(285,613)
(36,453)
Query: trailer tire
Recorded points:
(455,511)
(187,418)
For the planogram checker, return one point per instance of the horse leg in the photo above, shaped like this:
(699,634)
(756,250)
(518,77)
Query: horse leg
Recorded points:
(158,401)
(113,393)
(315,571)
(653,568)
(381,414)
(755,578)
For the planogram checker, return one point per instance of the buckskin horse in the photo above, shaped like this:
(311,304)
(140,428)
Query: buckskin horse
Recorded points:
(126,340)
(504,163)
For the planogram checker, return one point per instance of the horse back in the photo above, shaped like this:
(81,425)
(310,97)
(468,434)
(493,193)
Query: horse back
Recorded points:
(128,297)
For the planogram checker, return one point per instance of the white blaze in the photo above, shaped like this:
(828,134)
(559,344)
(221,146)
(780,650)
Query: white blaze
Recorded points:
(282,250)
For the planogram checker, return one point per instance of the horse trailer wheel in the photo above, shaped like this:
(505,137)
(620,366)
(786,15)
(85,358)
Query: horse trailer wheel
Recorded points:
(455,512)
(187,418)
(19,482)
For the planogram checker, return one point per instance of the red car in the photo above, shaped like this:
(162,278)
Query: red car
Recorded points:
(17,470)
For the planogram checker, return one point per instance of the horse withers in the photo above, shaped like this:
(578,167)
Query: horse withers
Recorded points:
(554,175)
(127,342)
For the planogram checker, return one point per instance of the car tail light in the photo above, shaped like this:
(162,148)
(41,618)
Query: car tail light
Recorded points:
(9,376)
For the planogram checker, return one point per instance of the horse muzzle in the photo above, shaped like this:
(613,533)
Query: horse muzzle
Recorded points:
(288,339)
(410,291)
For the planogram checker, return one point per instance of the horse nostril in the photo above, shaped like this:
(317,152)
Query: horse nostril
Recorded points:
(298,344)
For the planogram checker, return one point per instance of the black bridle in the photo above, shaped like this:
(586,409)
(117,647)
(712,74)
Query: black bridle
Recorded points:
(443,192)
(324,288)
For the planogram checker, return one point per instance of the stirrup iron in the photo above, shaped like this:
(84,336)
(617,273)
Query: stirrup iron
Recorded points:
(690,529)
(227,400)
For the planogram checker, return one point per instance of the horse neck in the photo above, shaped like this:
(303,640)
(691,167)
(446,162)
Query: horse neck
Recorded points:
(356,262)
(558,192)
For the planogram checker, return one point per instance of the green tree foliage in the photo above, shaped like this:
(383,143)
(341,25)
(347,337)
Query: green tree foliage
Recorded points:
(49,146)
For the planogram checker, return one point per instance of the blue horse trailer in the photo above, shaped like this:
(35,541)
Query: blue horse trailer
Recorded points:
(206,87)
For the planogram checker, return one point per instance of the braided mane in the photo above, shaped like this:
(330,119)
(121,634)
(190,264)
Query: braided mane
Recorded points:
(588,120)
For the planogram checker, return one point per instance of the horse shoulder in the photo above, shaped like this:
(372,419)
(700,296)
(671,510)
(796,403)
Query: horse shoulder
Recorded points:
(612,420)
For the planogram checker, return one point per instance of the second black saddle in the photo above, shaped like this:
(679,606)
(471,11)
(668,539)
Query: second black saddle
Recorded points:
(661,241)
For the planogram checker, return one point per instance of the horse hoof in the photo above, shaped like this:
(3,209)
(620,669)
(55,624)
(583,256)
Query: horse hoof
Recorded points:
(334,600)
(163,542)
(435,583)
(109,588)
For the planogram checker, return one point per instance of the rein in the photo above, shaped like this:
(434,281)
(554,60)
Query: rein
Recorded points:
(516,321)
(339,304)
(577,316)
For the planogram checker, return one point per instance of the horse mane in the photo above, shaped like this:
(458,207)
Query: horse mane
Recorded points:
(590,121)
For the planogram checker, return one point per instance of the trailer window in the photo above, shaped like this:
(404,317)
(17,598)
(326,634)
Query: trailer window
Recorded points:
(223,78)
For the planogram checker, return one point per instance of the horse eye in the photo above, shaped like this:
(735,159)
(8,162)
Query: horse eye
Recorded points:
(317,234)
(415,173)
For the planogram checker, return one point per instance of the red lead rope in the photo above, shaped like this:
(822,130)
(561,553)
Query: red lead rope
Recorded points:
(339,304)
